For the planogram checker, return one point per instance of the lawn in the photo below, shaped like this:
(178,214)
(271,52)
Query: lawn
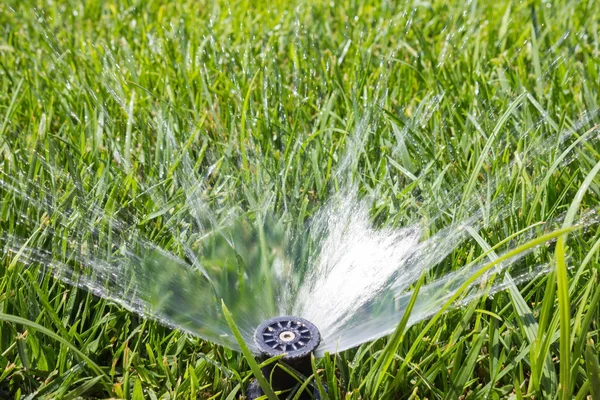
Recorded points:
(132,130)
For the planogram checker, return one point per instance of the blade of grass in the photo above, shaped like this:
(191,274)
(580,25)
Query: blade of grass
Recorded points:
(25,322)
(262,381)
(85,387)
(322,392)
(302,388)
(11,107)
(488,145)
(527,322)
(243,128)
(579,346)
(592,369)
(384,361)
(524,247)
(468,365)
(562,283)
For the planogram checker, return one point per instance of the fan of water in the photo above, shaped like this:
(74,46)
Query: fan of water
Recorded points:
(345,269)
(350,278)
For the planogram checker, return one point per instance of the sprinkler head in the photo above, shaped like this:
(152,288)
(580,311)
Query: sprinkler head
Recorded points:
(294,337)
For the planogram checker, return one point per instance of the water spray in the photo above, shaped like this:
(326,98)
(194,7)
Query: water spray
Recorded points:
(294,337)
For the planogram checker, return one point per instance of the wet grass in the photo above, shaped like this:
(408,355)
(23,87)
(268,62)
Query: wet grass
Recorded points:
(432,97)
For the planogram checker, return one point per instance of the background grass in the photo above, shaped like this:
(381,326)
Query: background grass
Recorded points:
(268,96)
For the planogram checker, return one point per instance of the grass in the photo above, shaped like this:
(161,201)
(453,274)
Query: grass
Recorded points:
(267,99)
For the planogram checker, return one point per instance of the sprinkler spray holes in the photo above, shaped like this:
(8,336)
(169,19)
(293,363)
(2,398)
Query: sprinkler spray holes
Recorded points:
(294,336)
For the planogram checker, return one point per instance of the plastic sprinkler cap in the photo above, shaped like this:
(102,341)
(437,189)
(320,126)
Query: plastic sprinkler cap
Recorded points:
(293,336)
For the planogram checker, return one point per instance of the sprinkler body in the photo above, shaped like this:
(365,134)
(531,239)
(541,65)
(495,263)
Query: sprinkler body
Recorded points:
(295,337)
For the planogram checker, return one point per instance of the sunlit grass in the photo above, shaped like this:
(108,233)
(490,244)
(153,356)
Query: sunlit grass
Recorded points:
(268,98)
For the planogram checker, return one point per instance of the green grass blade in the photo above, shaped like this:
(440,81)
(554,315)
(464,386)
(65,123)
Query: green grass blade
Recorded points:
(322,392)
(465,371)
(302,388)
(85,387)
(25,322)
(470,186)
(562,282)
(262,381)
(524,247)
(593,369)
(384,361)
(565,318)
(11,108)
(243,132)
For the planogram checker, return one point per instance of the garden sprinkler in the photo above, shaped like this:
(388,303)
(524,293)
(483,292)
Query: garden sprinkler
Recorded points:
(295,337)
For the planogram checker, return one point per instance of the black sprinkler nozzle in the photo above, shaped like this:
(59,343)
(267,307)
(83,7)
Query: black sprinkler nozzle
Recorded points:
(295,337)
